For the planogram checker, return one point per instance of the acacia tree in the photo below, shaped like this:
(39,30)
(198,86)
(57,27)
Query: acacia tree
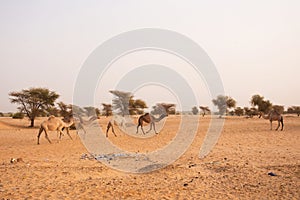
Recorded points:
(195,110)
(124,104)
(250,111)
(91,111)
(224,103)
(294,109)
(34,101)
(120,103)
(136,106)
(239,111)
(278,108)
(64,109)
(262,104)
(204,109)
(107,109)
(163,108)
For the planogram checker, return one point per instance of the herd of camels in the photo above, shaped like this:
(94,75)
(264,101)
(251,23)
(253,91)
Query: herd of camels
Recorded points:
(56,124)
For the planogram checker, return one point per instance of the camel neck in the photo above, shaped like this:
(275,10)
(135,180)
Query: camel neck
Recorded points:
(159,118)
(68,124)
(265,116)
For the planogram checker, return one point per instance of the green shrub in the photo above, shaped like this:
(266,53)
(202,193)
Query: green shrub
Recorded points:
(18,115)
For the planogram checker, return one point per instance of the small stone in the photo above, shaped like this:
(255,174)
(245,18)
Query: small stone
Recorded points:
(272,174)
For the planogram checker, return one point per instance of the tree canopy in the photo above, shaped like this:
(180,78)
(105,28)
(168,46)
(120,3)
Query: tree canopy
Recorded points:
(262,104)
(120,103)
(34,101)
(136,106)
(278,108)
(195,110)
(204,109)
(124,103)
(223,103)
(107,109)
(294,110)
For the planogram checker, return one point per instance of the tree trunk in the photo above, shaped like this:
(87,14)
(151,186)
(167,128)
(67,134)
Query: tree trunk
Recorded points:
(32,122)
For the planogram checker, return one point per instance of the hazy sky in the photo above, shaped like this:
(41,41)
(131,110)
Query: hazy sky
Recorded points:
(255,45)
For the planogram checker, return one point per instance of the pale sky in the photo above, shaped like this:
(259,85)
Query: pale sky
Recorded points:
(255,45)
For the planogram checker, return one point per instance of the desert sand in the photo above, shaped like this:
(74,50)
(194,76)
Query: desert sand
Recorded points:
(239,166)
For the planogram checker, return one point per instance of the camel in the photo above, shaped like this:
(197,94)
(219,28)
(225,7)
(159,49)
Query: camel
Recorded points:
(150,119)
(80,122)
(273,116)
(115,120)
(54,124)
(110,125)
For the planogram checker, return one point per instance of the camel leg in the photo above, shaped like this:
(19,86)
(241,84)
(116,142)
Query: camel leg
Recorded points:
(277,126)
(60,133)
(46,135)
(150,128)
(281,123)
(270,125)
(81,126)
(107,129)
(154,128)
(137,128)
(69,133)
(39,134)
(109,125)
(112,128)
(143,130)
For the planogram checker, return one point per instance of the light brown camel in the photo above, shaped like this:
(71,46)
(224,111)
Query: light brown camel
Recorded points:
(273,116)
(54,124)
(80,122)
(150,119)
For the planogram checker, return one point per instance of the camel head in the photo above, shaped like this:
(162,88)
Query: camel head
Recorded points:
(260,114)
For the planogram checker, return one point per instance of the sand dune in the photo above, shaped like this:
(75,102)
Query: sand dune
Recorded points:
(237,168)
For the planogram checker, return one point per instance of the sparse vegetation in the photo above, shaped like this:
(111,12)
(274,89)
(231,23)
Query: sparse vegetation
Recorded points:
(136,107)
(250,112)
(205,110)
(278,108)
(224,103)
(18,115)
(107,109)
(195,110)
(239,111)
(294,110)
(261,104)
(34,101)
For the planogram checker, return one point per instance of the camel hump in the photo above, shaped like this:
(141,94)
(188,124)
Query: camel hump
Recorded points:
(146,114)
(276,112)
(51,117)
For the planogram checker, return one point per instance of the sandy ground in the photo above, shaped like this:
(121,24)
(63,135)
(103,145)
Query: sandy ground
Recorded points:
(237,168)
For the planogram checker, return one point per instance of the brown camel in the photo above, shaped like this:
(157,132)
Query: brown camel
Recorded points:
(54,124)
(110,125)
(150,119)
(205,110)
(273,116)
(115,120)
